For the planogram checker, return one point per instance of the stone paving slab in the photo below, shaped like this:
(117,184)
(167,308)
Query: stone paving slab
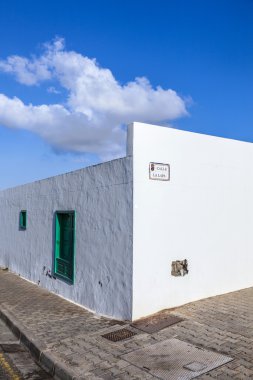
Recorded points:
(67,340)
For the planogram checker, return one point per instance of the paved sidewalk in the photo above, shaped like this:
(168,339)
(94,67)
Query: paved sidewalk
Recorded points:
(67,339)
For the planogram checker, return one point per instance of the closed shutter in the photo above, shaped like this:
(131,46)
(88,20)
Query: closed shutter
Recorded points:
(64,247)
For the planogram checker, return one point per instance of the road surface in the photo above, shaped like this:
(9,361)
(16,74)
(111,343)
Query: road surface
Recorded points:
(16,362)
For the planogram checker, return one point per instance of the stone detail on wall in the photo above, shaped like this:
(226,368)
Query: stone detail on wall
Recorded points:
(179,268)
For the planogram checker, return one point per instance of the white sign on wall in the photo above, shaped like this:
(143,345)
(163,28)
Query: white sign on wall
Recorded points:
(160,172)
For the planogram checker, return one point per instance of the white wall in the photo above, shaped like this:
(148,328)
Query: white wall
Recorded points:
(203,214)
(101,195)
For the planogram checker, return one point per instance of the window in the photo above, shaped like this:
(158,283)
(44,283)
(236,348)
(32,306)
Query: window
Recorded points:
(64,245)
(22,220)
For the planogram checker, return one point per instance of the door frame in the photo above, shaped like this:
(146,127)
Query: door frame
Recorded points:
(56,231)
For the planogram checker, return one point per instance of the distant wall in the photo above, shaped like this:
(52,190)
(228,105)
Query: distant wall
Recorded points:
(203,214)
(101,195)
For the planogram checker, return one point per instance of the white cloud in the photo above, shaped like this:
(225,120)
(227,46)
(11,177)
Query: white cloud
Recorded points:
(53,90)
(96,106)
(26,71)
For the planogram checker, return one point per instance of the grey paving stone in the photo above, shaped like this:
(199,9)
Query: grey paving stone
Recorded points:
(72,335)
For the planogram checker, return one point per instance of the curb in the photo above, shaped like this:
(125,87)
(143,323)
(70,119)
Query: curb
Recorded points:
(38,350)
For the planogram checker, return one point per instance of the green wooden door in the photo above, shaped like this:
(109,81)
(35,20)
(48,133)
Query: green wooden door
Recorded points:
(64,245)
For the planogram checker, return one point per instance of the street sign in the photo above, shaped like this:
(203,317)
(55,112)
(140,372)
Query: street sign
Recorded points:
(159,172)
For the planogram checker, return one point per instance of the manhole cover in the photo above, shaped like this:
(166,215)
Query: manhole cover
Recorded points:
(174,359)
(156,323)
(118,335)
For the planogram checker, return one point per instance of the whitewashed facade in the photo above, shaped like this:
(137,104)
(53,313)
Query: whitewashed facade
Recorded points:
(177,195)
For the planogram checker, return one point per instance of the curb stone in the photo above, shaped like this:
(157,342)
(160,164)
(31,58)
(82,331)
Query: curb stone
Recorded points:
(37,349)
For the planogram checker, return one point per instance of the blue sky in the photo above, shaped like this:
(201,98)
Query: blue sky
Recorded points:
(60,110)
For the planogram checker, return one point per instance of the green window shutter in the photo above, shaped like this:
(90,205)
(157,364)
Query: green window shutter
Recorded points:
(22,219)
(64,245)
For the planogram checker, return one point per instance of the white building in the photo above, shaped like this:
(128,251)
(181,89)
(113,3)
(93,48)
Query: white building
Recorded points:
(106,236)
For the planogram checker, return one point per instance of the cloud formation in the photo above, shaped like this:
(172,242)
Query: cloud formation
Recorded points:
(97,105)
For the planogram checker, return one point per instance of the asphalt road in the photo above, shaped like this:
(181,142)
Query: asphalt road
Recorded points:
(16,362)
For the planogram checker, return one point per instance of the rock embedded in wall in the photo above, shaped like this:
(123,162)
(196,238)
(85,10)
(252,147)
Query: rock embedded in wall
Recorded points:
(179,268)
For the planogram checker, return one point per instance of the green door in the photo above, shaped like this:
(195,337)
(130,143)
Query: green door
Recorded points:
(64,244)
